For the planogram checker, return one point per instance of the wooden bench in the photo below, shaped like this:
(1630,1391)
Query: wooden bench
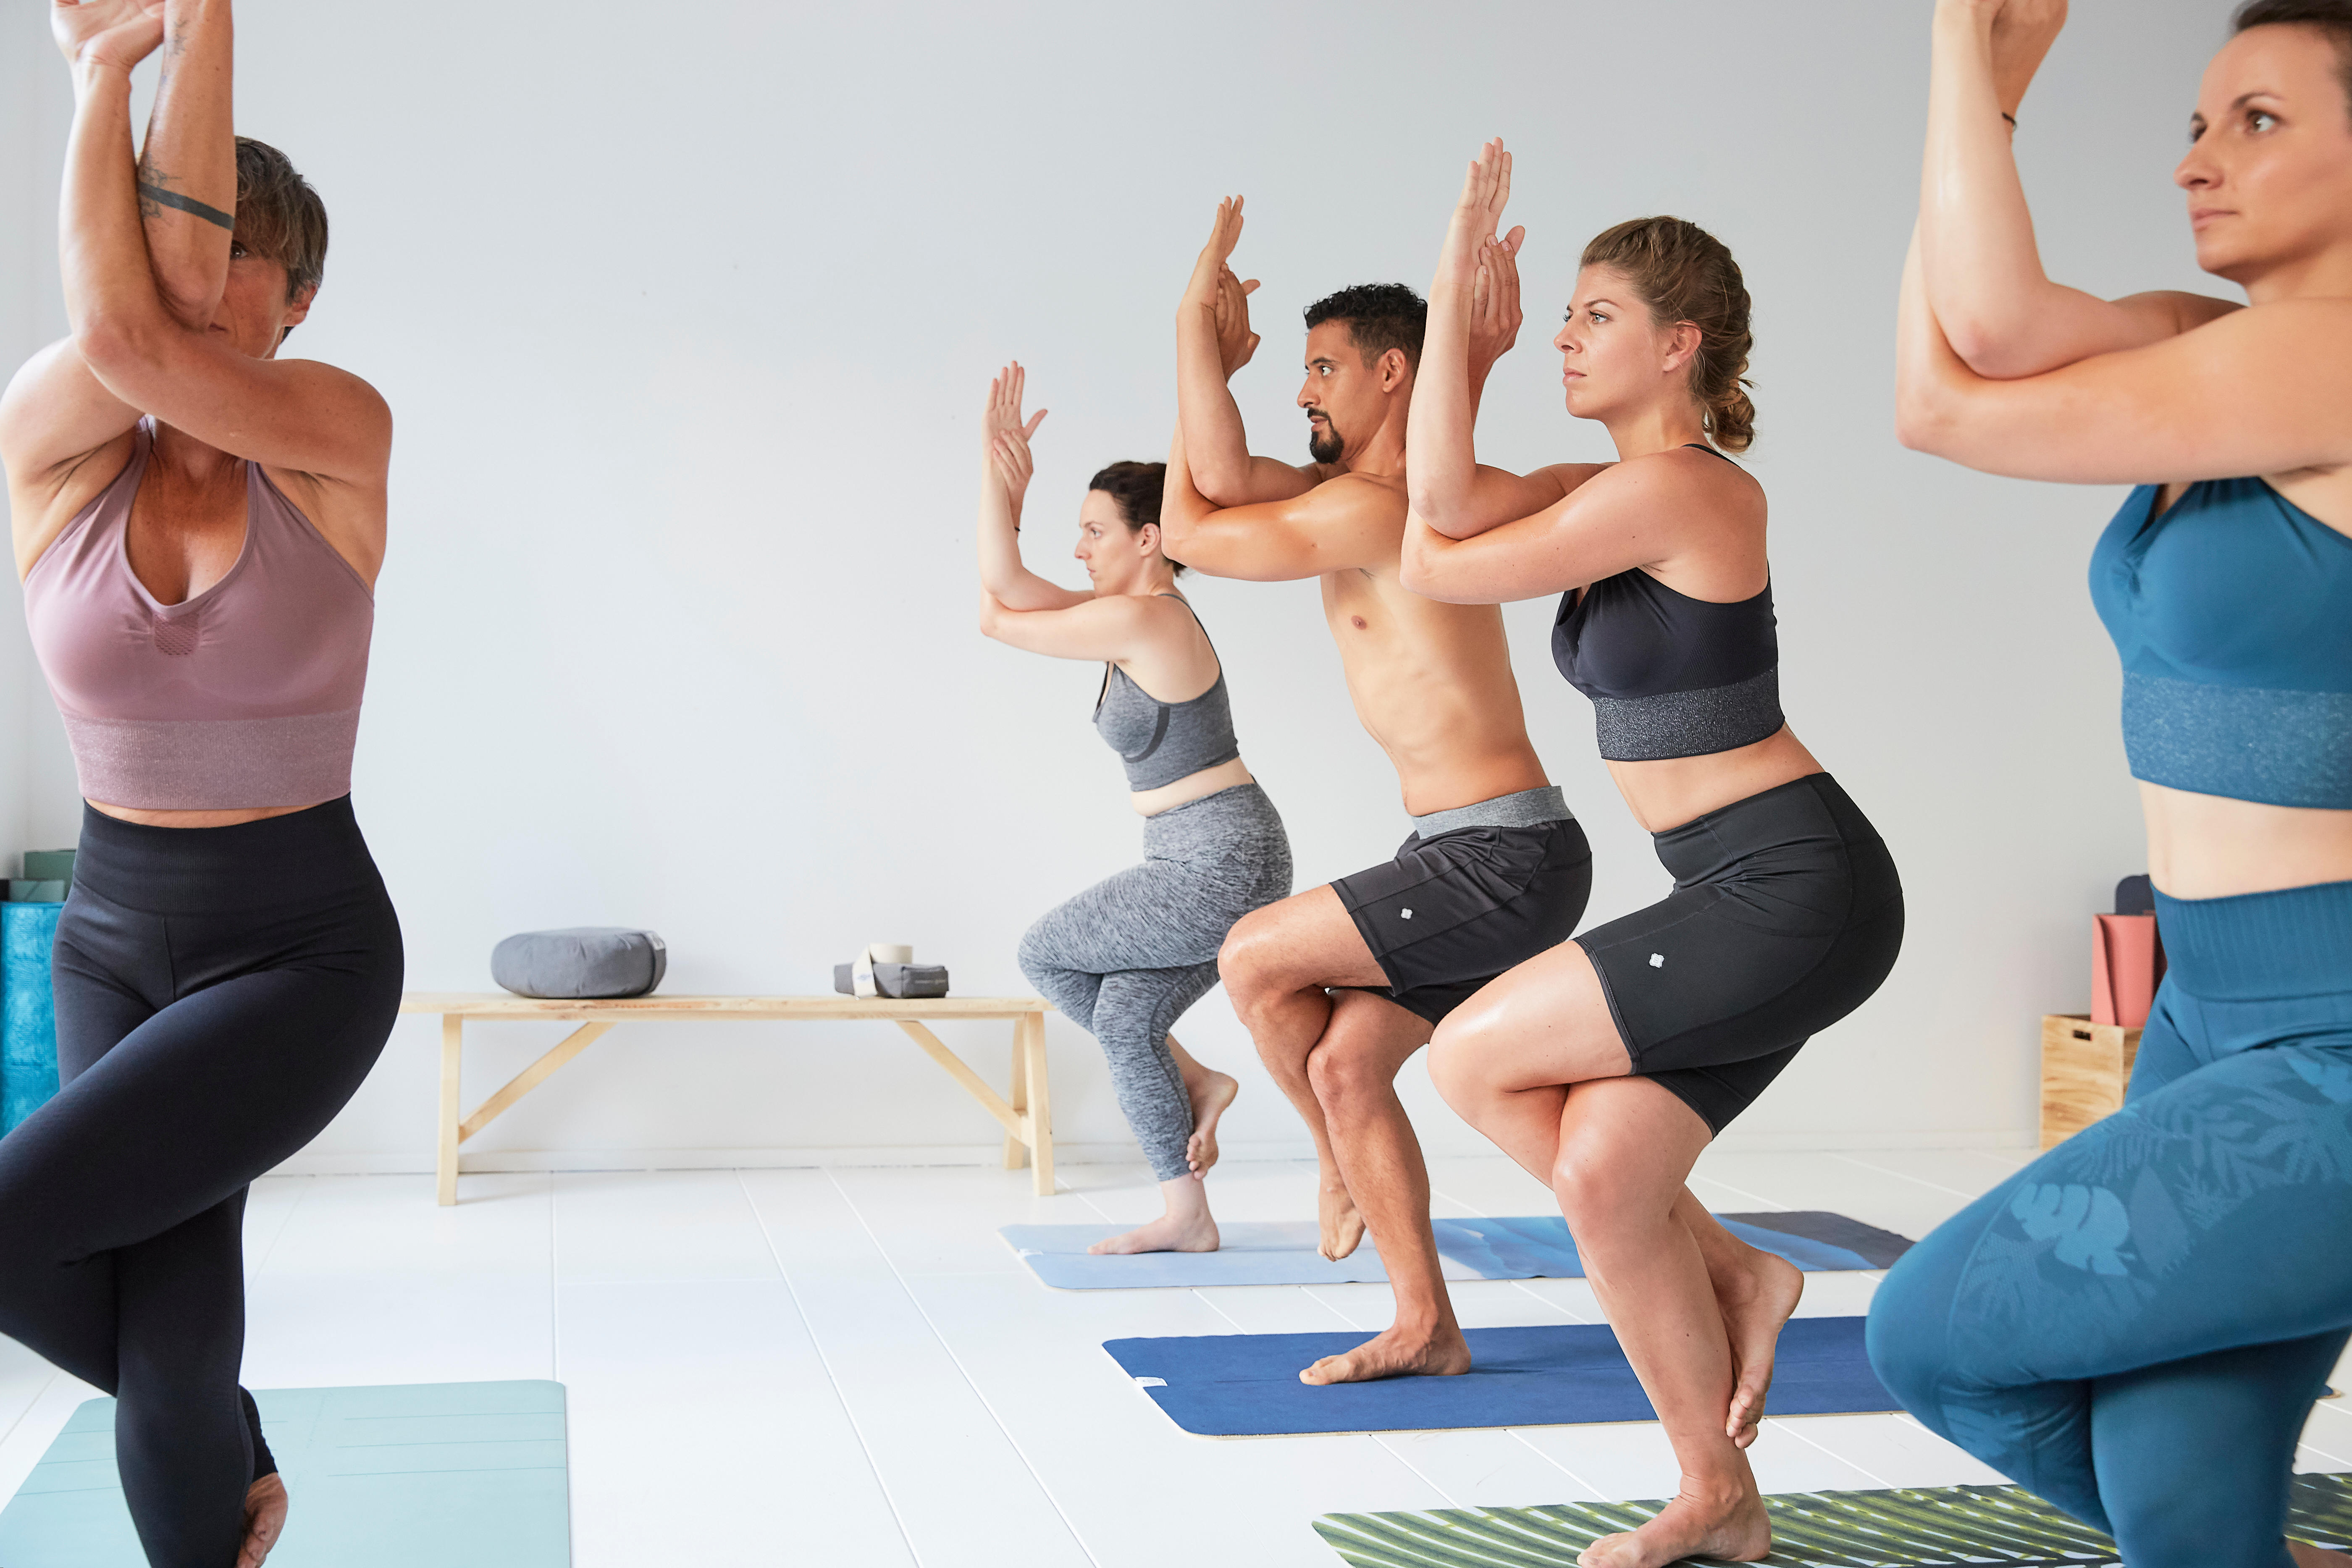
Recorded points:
(1028,1117)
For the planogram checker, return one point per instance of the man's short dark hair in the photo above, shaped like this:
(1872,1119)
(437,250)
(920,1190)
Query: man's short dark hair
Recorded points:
(1380,317)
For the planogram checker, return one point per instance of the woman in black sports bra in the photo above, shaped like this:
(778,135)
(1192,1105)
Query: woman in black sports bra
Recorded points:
(1606,1066)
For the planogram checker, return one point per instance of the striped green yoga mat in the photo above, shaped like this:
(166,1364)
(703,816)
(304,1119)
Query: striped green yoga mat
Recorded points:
(1927,1527)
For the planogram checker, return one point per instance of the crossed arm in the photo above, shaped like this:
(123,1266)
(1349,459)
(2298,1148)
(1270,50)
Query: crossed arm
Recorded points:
(2001,369)
(1348,521)
(1017,607)
(131,352)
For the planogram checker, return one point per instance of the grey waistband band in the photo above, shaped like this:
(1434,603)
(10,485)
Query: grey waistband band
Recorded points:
(1527,808)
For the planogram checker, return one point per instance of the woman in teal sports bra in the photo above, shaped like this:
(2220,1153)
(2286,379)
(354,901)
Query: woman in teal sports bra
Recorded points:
(2135,1324)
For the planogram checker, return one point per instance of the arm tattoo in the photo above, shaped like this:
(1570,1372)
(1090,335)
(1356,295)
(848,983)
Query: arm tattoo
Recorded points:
(150,193)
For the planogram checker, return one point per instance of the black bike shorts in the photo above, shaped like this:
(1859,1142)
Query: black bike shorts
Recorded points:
(1786,915)
(1452,911)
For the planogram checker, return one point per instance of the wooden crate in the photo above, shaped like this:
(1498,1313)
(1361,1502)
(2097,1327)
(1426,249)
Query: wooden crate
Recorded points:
(2085,1068)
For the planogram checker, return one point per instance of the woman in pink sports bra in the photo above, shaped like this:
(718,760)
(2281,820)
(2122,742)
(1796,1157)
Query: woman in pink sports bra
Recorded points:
(199,524)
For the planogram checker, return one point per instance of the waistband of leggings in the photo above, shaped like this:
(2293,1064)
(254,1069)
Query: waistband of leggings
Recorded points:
(2292,942)
(304,856)
(1527,809)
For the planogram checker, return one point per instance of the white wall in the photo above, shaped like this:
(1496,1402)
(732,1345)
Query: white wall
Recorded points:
(685,318)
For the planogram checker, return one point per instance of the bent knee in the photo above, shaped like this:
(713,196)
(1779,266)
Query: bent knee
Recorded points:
(1343,1078)
(1905,1335)
(1461,1060)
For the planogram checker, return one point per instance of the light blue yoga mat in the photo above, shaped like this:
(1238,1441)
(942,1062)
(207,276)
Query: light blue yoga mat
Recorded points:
(456,1475)
(1535,1247)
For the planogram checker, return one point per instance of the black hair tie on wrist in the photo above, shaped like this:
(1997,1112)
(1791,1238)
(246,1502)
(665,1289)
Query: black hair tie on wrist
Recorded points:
(2010,118)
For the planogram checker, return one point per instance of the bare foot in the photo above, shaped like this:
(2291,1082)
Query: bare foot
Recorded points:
(2306,1556)
(1343,1227)
(1399,1353)
(1210,1093)
(1165,1234)
(265,1521)
(1728,1528)
(1755,1303)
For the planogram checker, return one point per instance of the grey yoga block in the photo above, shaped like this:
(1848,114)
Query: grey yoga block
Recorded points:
(601,961)
(901,982)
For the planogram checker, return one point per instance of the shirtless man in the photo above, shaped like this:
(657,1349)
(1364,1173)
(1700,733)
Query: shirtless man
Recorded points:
(1338,986)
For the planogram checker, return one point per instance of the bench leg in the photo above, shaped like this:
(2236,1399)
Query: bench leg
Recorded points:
(452,1038)
(1040,1104)
(1017,1152)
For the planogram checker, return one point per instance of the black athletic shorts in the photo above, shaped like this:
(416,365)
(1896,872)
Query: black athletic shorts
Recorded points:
(1785,917)
(1456,909)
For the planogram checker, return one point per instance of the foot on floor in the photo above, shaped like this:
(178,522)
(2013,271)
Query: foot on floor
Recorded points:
(265,1521)
(1728,1528)
(1755,1303)
(1399,1353)
(1342,1227)
(1211,1092)
(1165,1234)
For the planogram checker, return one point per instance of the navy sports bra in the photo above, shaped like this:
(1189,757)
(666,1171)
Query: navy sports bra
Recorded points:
(1161,742)
(1670,676)
(2232,612)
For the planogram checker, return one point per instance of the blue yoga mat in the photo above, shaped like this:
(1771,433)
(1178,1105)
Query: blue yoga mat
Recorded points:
(28,1016)
(1247,1386)
(1536,1246)
(456,1475)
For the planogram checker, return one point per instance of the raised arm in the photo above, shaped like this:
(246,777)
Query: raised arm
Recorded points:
(1347,522)
(188,167)
(56,416)
(1213,340)
(1997,307)
(1473,321)
(1004,470)
(2254,391)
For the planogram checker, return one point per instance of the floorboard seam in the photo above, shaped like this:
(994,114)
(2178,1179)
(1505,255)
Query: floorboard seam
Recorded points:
(1591,1490)
(1906,1175)
(1790,1430)
(962,1371)
(825,1359)
(278,1234)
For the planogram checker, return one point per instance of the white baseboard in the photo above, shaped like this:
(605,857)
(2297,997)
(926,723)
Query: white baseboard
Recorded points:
(413,1162)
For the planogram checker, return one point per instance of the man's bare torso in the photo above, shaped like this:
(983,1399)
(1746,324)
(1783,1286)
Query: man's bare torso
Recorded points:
(1432,683)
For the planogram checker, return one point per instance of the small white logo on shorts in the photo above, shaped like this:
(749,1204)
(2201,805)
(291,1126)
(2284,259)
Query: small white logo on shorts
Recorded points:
(1657,960)
(1404,914)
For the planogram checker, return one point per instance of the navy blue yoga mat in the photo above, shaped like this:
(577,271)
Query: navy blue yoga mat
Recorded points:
(1535,1247)
(1247,1386)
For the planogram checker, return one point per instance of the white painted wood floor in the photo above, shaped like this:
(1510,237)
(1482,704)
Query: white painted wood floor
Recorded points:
(849,1366)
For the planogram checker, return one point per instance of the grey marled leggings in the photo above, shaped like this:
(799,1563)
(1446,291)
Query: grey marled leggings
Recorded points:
(1125,959)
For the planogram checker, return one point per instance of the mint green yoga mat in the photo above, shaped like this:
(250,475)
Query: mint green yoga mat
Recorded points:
(456,1475)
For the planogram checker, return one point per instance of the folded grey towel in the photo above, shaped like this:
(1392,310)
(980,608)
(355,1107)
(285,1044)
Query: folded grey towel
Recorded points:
(902,981)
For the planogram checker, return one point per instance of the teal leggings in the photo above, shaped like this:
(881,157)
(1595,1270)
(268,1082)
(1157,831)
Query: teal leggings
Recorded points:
(2135,1326)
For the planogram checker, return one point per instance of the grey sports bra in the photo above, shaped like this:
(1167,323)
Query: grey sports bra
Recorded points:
(1162,742)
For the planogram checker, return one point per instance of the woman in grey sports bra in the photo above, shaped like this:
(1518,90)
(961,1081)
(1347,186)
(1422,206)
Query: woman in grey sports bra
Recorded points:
(1125,959)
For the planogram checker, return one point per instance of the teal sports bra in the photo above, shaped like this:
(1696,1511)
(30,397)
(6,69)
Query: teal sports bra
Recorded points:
(2232,612)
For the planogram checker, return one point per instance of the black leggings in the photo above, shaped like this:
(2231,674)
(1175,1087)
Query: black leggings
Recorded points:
(1785,917)
(221,992)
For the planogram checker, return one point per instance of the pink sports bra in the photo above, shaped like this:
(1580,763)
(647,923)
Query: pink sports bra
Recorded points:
(245,695)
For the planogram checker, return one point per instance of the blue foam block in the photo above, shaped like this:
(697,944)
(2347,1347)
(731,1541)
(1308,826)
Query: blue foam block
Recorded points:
(458,1474)
(1247,1386)
(1535,1247)
(28,1014)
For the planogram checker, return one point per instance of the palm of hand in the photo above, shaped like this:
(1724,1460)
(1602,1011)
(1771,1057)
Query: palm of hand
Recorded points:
(119,33)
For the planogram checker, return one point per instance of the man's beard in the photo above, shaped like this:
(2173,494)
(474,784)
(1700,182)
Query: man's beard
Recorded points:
(1326,447)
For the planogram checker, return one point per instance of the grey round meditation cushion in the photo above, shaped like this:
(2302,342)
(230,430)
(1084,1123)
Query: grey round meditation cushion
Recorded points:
(585,961)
